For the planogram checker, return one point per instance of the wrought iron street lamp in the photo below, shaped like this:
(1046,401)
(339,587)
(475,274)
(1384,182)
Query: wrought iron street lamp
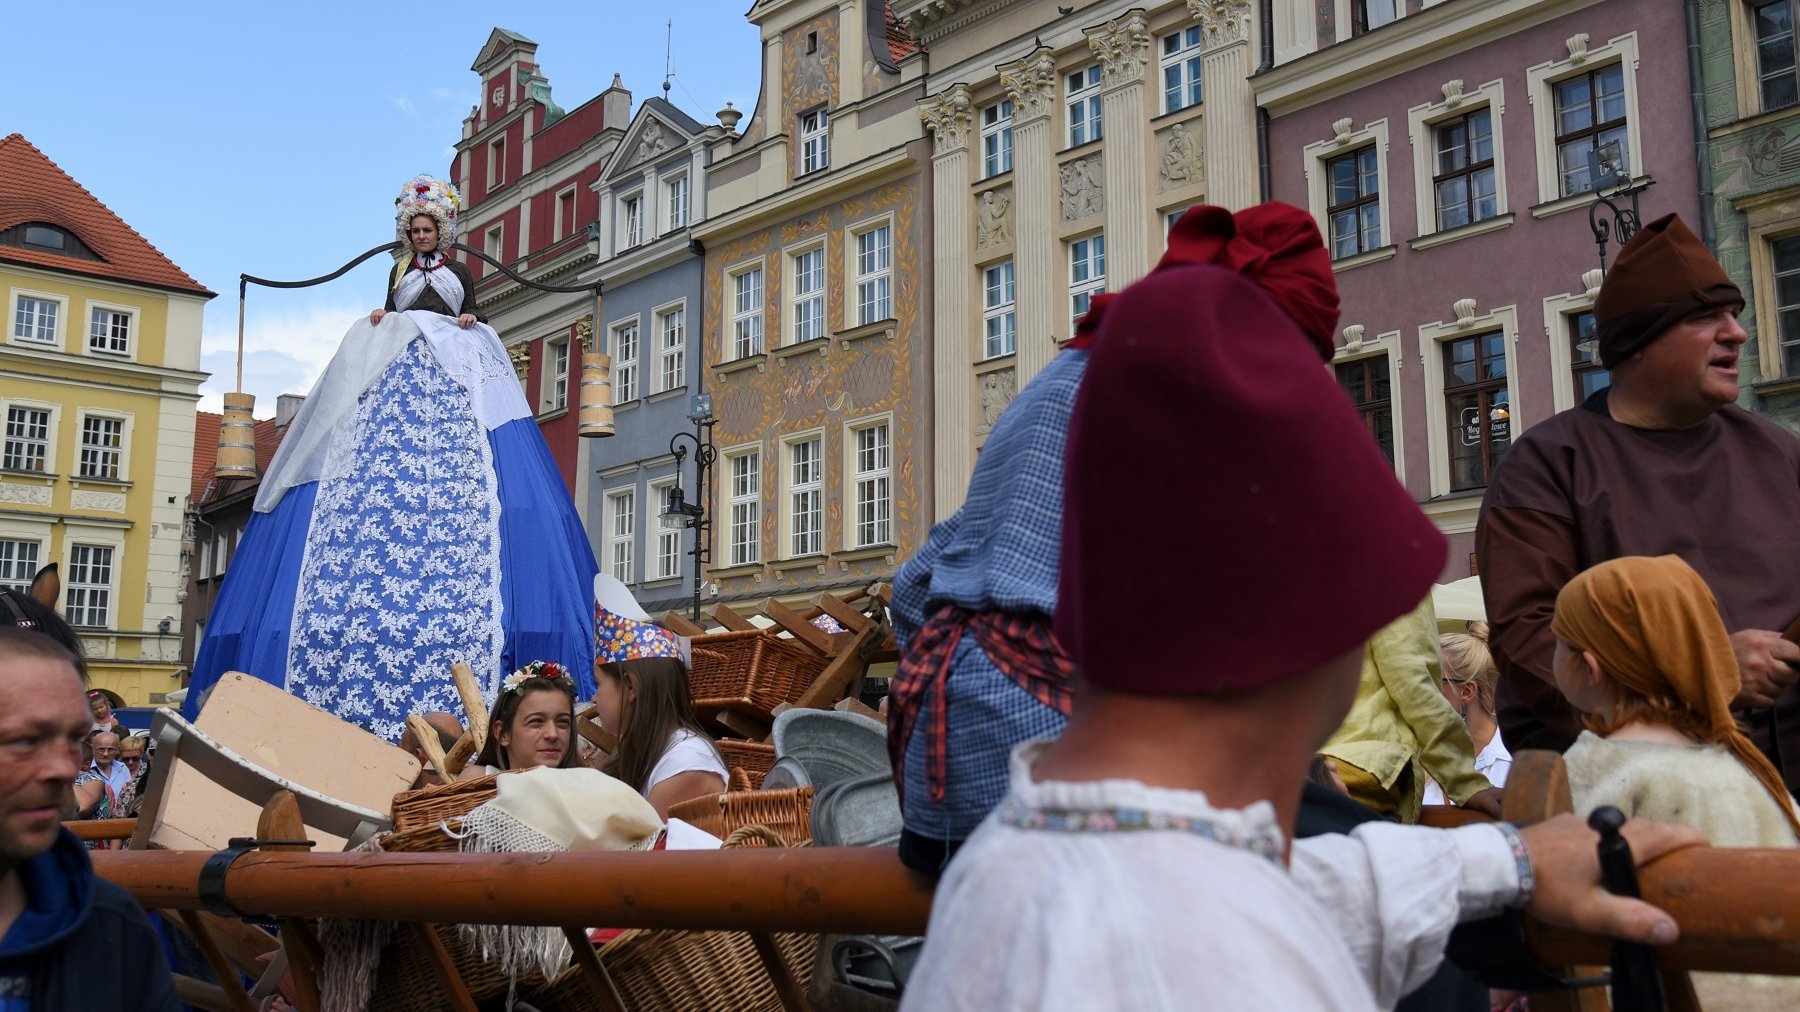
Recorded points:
(678,513)
(1607,169)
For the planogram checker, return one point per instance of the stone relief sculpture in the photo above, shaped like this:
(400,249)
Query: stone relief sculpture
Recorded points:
(1181,161)
(997,390)
(993,224)
(655,142)
(1082,194)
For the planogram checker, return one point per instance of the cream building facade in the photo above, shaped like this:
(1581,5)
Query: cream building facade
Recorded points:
(1065,144)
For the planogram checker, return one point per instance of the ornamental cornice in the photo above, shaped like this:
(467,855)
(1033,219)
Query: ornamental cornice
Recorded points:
(1031,84)
(949,117)
(1123,47)
(1222,22)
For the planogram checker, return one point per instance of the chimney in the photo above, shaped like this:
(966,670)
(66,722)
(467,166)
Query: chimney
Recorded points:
(286,407)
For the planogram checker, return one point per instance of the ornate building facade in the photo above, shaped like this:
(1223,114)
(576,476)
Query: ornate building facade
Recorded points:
(1066,141)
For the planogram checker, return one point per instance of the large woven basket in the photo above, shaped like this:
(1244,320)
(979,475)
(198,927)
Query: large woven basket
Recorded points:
(670,970)
(751,758)
(428,807)
(750,672)
(788,812)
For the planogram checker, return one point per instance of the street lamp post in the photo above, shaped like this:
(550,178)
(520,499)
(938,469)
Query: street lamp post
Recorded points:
(678,513)
(1607,169)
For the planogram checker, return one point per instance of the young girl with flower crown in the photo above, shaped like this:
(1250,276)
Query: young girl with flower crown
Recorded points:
(531,724)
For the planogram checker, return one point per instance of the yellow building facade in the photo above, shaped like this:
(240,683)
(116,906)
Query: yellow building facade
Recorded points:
(99,377)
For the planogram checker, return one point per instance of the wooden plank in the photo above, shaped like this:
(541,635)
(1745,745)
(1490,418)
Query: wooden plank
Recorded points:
(793,997)
(739,724)
(473,704)
(1449,816)
(845,668)
(427,737)
(229,982)
(459,755)
(102,829)
(445,967)
(1537,788)
(850,704)
(803,631)
(731,620)
(679,624)
(841,611)
(590,729)
(604,991)
(280,820)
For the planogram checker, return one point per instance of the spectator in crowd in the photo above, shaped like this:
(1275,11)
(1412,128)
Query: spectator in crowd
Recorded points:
(68,939)
(1469,682)
(101,708)
(134,754)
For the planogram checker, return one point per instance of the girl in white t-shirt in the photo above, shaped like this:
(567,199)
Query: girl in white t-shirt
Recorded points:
(663,751)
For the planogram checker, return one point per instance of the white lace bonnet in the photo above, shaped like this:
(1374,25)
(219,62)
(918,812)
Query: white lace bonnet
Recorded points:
(425,194)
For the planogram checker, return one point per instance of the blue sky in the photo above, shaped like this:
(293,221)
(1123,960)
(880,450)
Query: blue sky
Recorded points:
(270,139)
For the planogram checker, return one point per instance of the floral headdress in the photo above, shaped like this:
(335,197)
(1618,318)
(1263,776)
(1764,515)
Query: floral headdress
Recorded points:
(550,670)
(425,194)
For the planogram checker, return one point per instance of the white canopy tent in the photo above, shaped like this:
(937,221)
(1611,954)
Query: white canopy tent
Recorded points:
(1459,602)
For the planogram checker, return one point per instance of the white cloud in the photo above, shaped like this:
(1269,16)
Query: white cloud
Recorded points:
(284,351)
(403,103)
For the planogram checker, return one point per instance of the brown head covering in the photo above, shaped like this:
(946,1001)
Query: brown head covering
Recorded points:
(1655,629)
(1664,274)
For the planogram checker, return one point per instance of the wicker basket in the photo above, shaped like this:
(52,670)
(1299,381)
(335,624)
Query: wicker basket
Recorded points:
(432,805)
(788,812)
(670,970)
(752,758)
(750,672)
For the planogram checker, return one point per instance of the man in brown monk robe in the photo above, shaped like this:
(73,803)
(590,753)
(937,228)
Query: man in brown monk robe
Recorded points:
(1662,462)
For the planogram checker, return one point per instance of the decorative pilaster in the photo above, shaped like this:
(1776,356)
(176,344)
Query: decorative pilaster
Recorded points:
(1043,303)
(1124,48)
(1230,121)
(950,117)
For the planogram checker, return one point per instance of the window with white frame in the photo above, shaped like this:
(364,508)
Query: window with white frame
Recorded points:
(625,362)
(999,319)
(996,138)
(1463,180)
(556,374)
(1785,261)
(109,331)
(35,319)
(806,497)
(873,493)
(671,348)
(665,560)
(1477,407)
(1082,100)
(221,555)
(1087,274)
(204,572)
(494,242)
(1366,381)
(874,275)
(1778,81)
(18,563)
(621,533)
(815,140)
(809,295)
(565,213)
(1367,14)
(1590,114)
(632,214)
(675,198)
(1585,371)
(1171,217)
(27,439)
(496,174)
(1354,203)
(89,594)
(102,446)
(1178,57)
(747,313)
(744,533)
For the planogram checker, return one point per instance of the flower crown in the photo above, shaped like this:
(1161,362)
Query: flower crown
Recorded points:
(424,194)
(550,670)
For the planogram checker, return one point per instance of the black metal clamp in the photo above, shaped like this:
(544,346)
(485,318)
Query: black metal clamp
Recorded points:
(211,887)
(1637,984)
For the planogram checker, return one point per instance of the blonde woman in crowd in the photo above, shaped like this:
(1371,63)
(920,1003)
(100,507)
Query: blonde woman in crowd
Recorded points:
(1468,683)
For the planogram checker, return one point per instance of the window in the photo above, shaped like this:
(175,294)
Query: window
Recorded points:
(110,331)
(496,163)
(809,295)
(746,509)
(1354,203)
(874,275)
(1590,113)
(665,562)
(1584,356)
(1087,273)
(815,140)
(1083,104)
(1366,381)
(1786,256)
(1171,217)
(220,554)
(625,371)
(18,564)
(872,490)
(1369,14)
(27,439)
(999,321)
(1464,172)
(205,570)
(621,533)
(494,242)
(102,442)
(806,498)
(671,351)
(675,197)
(565,213)
(633,216)
(996,138)
(1780,87)
(1179,59)
(1477,407)
(556,359)
(35,319)
(90,586)
(747,313)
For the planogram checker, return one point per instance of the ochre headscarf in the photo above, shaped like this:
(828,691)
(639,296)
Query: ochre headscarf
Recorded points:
(1654,628)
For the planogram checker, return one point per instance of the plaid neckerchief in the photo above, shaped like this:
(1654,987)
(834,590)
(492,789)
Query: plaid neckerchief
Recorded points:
(1021,645)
